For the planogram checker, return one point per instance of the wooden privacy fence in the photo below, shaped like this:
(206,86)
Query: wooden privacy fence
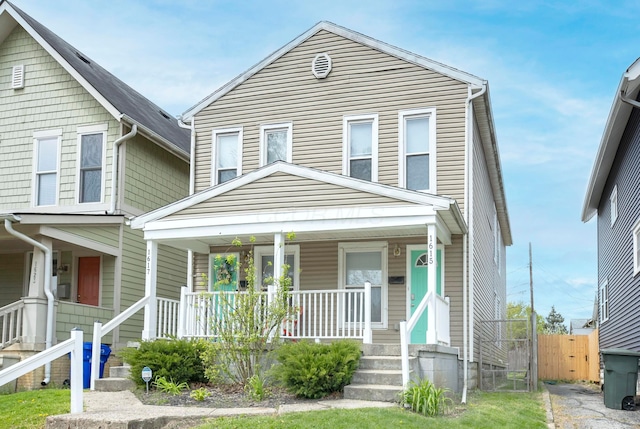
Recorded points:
(569,357)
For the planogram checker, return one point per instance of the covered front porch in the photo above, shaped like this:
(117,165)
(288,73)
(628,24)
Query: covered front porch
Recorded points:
(349,234)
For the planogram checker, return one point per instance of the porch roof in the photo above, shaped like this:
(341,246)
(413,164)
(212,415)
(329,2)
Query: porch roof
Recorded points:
(316,205)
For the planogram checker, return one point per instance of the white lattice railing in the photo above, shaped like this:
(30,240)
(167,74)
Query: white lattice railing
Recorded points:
(326,314)
(167,315)
(11,323)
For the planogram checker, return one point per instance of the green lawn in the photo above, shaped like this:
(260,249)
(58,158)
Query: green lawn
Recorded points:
(29,410)
(483,411)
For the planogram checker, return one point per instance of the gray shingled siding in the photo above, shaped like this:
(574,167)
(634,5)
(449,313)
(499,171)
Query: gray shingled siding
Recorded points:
(615,244)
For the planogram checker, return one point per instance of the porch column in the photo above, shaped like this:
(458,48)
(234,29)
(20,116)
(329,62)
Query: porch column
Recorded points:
(35,317)
(151,274)
(432,246)
(278,261)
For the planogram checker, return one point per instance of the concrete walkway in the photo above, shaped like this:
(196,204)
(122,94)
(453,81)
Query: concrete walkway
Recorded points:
(123,410)
(581,406)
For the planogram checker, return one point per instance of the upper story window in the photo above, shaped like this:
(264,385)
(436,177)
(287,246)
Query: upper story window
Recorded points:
(360,147)
(46,170)
(636,248)
(91,165)
(614,204)
(227,155)
(497,239)
(604,302)
(276,143)
(417,154)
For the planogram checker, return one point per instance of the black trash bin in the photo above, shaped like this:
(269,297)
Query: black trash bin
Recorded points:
(620,378)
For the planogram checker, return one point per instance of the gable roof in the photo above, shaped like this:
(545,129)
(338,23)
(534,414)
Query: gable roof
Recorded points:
(122,101)
(439,203)
(421,61)
(616,123)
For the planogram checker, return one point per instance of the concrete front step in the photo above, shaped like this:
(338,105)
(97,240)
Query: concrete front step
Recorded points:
(384,362)
(373,392)
(120,371)
(114,384)
(378,376)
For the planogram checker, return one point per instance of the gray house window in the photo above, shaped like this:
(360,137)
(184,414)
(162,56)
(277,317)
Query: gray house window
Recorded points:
(636,248)
(614,204)
(91,168)
(604,301)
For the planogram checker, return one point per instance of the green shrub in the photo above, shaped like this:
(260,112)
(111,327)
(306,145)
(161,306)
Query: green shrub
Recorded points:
(177,360)
(200,394)
(314,370)
(425,398)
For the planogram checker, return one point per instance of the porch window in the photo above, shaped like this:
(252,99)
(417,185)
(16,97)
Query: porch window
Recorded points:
(47,165)
(417,136)
(263,261)
(360,263)
(360,147)
(91,163)
(603,302)
(636,248)
(275,143)
(227,155)
(614,204)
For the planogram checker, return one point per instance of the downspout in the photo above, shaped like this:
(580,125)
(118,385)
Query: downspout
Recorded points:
(114,170)
(47,291)
(192,180)
(467,240)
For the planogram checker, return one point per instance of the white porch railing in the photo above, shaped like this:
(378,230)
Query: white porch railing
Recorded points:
(11,323)
(167,314)
(437,324)
(74,346)
(326,314)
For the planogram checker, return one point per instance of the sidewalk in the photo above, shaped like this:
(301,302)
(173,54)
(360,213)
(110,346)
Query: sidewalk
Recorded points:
(122,410)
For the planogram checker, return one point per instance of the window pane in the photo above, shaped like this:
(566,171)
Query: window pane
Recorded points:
(48,154)
(363,266)
(267,268)
(418,172)
(90,186)
(360,139)
(360,169)
(91,151)
(46,189)
(226,175)
(276,145)
(227,151)
(417,135)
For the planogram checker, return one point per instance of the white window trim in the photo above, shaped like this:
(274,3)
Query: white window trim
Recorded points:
(263,150)
(636,247)
(371,246)
(346,156)
(92,129)
(214,150)
(402,115)
(613,199)
(603,301)
(41,135)
(289,249)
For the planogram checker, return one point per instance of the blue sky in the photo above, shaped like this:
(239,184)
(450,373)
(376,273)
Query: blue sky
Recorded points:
(552,66)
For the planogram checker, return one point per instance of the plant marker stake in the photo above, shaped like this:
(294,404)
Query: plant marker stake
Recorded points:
(146,376)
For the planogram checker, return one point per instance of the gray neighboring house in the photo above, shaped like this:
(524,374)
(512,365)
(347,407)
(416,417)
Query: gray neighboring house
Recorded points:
(81,152)
(613,197)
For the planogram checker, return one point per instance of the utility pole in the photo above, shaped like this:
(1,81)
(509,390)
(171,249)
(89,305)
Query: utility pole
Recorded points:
(534,331)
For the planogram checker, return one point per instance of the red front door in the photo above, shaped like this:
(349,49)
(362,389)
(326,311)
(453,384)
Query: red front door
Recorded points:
(89,280)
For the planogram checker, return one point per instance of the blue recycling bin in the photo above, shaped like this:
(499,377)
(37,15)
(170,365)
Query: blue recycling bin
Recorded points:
(87,349)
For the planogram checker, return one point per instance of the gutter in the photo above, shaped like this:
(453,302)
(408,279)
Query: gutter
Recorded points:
(47,289)
(467,240)
(192,180)
(114,170)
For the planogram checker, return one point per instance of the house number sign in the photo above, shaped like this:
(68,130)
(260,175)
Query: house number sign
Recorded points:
(146,376)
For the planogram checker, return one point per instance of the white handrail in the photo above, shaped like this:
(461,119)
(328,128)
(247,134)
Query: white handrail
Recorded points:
(11,322)
(100,331)
(405,333)
(74,346)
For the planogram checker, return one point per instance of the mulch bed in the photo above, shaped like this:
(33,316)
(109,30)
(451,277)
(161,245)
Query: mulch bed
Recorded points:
(224,396)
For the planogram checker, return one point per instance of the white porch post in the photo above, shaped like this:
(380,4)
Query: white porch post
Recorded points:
(432,337)
(151,274)
(278,262)
(368,333)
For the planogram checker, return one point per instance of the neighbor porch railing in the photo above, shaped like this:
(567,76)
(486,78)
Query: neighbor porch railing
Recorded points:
(11,323)
(319,314)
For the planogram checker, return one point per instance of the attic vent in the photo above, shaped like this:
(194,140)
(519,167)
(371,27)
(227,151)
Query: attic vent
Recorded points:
(321,65)
(17,77)
(165,115)
(79,55)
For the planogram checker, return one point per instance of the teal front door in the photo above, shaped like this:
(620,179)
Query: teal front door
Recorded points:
(418,289)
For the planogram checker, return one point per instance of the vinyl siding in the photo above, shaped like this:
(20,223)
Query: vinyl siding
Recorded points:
(153,177)
(615,244)
(362,80)
(51,99)
(108,235)
(487,278)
